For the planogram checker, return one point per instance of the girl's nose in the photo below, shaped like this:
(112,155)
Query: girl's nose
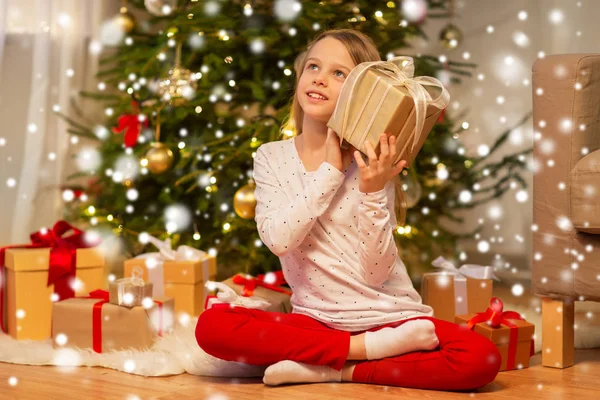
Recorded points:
(319,80)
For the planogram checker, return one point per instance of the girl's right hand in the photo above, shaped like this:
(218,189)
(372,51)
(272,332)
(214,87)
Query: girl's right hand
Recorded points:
(334,155)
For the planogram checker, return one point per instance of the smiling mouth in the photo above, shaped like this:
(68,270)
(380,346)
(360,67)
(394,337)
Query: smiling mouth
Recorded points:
(315,96)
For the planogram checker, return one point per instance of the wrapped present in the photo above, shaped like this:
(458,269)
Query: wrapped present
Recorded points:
(179,274)
(454,291)
(263,292)
(384,97)
(56,265)
(93,322)
(130,292)
(512,335)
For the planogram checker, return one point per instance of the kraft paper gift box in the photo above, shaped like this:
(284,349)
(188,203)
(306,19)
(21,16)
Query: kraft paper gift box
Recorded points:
(130,292)
(454,291)
(512,335)
(385,97)
(179,274)
(93,322)
(55,265)
(263,292)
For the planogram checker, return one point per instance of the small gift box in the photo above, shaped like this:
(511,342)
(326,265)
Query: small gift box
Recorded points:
(93,322)
(453,291)
(384,97)
(512,335)
(263,292)
(130,292)
(179,274)
(56,265)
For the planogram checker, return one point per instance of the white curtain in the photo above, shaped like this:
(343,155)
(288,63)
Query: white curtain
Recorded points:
(44,61)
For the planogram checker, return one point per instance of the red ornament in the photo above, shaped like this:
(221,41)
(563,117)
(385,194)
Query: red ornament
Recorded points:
(132,126)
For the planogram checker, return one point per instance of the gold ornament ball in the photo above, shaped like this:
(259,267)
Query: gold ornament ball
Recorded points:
(451,36)
(244,202)
(160,7)
(125,20)
(178,87)
(160,158)
(412,190)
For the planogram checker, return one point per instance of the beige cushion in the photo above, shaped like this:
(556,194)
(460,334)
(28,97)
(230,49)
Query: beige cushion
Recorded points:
(585,192)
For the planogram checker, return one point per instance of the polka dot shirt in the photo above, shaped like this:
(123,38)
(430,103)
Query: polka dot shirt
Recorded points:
(334,242)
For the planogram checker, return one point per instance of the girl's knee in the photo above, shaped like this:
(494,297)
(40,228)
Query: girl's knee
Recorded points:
(485,364)
(207,332)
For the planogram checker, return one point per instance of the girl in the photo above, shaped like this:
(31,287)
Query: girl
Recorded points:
(330,216)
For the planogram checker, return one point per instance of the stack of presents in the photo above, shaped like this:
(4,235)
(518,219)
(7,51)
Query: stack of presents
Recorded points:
(55,287)
(464,296)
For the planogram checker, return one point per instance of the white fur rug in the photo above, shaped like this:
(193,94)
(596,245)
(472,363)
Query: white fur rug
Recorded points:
(171,354)
(178,352)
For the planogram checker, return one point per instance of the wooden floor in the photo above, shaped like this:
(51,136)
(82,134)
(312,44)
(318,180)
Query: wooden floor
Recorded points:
(578,382)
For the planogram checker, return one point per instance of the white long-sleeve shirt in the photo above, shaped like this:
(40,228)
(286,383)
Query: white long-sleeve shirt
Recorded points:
(334,242)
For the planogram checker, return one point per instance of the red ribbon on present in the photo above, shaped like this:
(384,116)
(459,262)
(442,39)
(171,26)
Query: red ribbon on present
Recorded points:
(63,259)
(103,296)
(251,283)
(132,126)
(494,316)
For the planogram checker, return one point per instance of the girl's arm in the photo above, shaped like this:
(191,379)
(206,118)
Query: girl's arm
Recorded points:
(376,222)
(283,223)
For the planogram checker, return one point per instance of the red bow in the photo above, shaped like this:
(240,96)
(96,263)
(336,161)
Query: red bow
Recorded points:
(62,259)
(251,283)
(132,126)
(494,316)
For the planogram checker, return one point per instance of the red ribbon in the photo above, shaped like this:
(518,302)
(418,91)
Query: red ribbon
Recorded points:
(132,126)
(251,283)
(103,296)
(494,316)
(63,259)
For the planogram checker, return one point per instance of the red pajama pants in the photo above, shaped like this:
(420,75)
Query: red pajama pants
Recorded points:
(464,359)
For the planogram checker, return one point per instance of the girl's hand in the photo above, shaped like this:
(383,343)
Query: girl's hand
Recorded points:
(374,176)
(334,155)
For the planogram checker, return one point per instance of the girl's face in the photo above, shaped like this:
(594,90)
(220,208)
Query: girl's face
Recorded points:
(327,67)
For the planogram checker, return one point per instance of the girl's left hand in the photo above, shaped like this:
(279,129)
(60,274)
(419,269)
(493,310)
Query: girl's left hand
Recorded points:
(374,176)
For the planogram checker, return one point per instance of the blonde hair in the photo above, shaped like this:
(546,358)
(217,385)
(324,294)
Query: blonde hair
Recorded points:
(362,49)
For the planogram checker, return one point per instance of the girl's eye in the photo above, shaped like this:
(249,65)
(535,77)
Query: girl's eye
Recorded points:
(343,74)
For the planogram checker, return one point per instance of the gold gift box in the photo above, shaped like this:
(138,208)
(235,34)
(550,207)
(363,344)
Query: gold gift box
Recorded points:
(119,289)
(280,302)
(122,328)
(438,292)
(183,281)
(500,336)
(388,109)
(29,300)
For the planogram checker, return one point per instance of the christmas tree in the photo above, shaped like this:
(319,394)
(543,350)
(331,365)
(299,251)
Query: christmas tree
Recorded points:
(190,90)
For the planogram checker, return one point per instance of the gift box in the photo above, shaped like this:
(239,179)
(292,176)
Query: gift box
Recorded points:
(454,291)
(384,97)
(512,335)
(179,274)
(130,292)
(93,322)
(263,292)
(53,267)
